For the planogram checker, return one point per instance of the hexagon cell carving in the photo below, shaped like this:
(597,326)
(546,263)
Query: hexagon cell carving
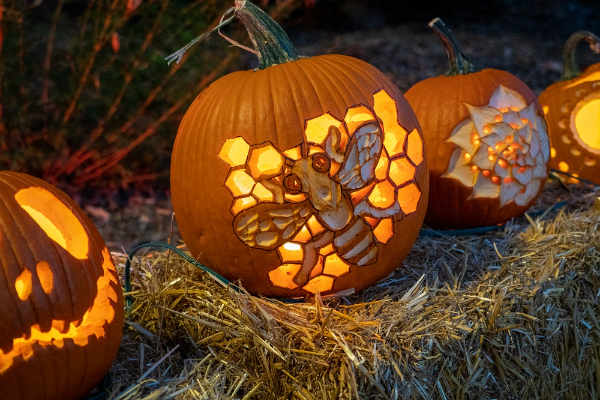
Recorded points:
(326,205)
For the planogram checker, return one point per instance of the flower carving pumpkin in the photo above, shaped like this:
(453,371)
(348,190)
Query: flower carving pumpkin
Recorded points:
(304,175)
(62,307)
(502,150)
(486,142)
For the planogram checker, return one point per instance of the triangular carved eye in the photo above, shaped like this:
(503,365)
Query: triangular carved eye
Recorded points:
(321,163)
(292,184)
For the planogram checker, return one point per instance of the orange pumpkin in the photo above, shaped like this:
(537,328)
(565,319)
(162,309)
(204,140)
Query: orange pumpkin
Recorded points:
(62,307)
(304,175)
(486,142)
(572,108)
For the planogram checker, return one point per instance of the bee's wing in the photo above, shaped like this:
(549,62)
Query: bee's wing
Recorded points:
(268,225)
(361,158)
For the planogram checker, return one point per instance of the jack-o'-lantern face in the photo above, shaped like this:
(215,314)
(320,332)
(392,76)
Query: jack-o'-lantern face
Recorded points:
(501,149)
(61,295)
(328,204)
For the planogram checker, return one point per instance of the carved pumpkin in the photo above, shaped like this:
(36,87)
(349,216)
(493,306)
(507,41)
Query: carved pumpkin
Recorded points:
(62,307)
(304,175)
(572,108)
(486,142)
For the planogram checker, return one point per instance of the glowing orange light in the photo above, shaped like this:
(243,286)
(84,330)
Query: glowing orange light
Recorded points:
(587,124)
(291,252)
(44,273)
(235,151)
(294,154)
(467,156)
(371,221)
(563,166)
(381,170)
(395,135)
(498,118)
(491,158)
(318,128)
(474,168)
(23,284)
(326,250)
(408,197)
(502,163)
(283,276)
(590,78)
(321,283)
(382,195)
(508,180)
(335,266)
(262,193)
(295,198)
(415,147)
(303,235)
(486,173)
(318,268)
(384,230)
(242,203)
(265,162)
(56,220)
(589,161)
(80,333)
(314,226)
(487,129)
(524,121)
(239,182)
(357,116)
(313,149)
(401,171)
(358,195)
(495,180)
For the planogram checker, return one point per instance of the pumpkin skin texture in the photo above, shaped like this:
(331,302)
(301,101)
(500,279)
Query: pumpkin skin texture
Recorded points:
(572,109)
(62,307)
(289,109)
(471,183)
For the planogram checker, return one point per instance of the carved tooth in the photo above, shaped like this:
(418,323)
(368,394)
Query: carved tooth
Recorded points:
(264,225)
(363,141)
(266,239)
(370,255)
(251,228)
(363,156)
(304,212)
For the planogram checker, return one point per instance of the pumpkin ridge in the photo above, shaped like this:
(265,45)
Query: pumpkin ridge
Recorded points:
(365,76)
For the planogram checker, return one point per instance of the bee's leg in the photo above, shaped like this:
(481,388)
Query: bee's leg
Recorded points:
(311,257)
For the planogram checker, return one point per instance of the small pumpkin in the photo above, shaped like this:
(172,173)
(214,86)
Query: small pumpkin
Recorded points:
(486,142)
(304,175)
(572,108)
(62,307)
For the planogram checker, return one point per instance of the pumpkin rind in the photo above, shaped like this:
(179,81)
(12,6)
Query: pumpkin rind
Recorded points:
(272,107)
(562,102)
(442,104)
(62,314)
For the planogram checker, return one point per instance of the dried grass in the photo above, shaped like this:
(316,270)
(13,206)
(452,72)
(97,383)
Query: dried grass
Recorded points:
(506,314)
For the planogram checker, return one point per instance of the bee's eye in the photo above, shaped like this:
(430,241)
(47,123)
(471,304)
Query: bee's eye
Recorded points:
(292,184)
(321,163)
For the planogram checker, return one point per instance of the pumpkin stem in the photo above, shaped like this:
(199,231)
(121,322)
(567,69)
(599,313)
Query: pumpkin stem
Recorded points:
(272,44)
(459,64)
(569,67)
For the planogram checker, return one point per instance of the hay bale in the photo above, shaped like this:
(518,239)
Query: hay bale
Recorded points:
(511,313)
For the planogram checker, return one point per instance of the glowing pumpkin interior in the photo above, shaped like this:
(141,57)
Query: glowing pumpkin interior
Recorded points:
(502,150)
(366,142)
(64,228)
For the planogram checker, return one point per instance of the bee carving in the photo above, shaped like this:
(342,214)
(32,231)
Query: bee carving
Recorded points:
(329,204)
